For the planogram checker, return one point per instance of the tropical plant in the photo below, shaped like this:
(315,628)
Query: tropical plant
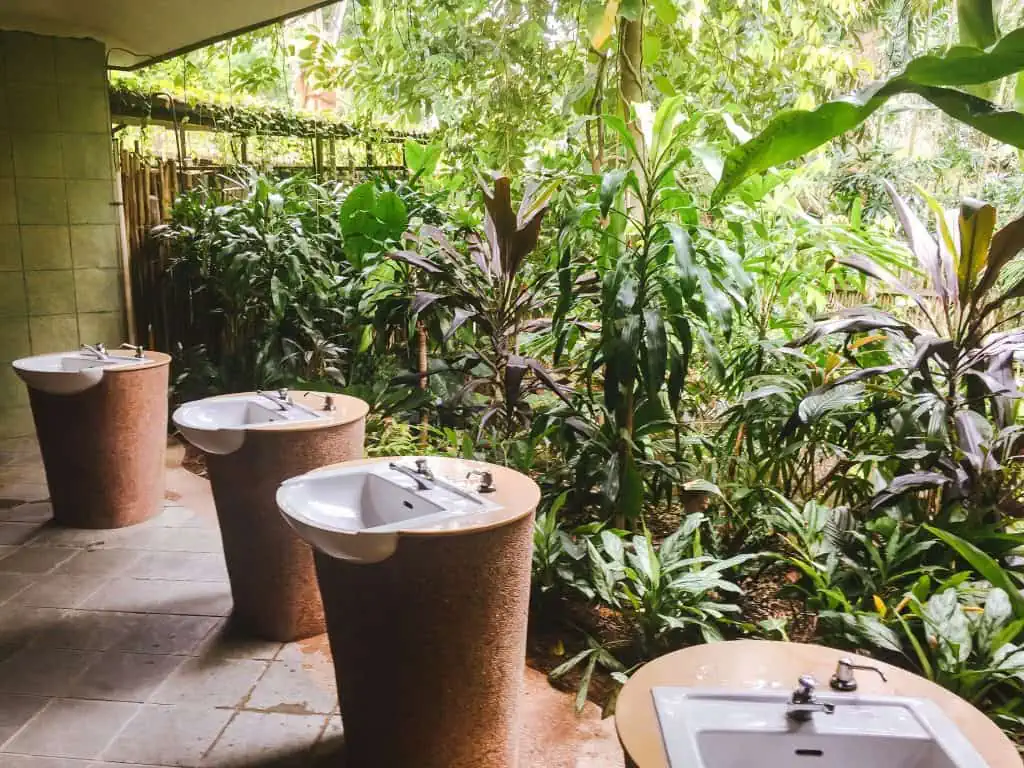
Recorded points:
(492,290)
(966,636)
(954,407)
(261,262)
(666,279)
(674,590)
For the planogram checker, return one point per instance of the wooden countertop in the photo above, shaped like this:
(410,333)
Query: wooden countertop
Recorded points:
(768,665)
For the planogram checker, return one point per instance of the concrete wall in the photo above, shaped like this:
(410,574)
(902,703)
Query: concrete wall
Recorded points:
(60,281)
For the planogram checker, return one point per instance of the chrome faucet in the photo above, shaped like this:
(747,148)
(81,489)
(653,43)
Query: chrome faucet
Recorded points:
(803,703)
(426,480)
(97,350)
(281,399)
(422,475)
(843,679)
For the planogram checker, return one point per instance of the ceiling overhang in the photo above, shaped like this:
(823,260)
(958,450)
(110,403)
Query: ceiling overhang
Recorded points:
(141,32)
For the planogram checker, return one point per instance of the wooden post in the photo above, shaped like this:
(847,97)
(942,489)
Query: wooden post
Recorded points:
(123,244)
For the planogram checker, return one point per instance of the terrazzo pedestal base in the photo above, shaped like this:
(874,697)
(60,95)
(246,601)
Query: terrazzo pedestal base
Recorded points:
(103,448)
(273,579)
(429,648)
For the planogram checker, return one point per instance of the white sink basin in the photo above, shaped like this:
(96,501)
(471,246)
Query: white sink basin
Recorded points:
(219,424)
(357,512)
(67,373)
(705,728)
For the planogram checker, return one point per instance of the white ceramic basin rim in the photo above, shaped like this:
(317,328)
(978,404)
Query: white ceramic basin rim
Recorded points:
(357,513)
(218,424)
(706,728)
(67,373)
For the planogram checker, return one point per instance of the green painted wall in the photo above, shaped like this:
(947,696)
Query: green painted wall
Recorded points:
(60,281)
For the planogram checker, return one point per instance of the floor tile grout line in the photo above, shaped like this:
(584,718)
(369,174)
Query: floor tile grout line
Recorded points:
(217,738)
(49,700)
(110,742)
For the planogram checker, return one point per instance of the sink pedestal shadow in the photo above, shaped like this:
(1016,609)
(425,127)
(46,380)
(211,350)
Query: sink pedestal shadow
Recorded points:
(273,580)
(103,448)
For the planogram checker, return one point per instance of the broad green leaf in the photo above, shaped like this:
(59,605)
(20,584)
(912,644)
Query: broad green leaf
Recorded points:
(414,155)
(612,546)
(977,22)
(977,223)
(656,348)
(652,48)
(611,183)
(359,200)
(712,353)
(969,65)
(683,248)
(664,85)
(983,563)
(997,612)
(978,25)
(794,132)
(947,627)
(665,121)
(646,559)
(618,125)
(421,160)
(565,666)
(666,11)
(390,209)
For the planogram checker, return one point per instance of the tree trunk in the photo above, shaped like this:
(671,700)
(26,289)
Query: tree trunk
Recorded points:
(631,62)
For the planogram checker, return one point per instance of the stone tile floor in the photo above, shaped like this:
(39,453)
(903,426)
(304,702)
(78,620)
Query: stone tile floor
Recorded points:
(116,650)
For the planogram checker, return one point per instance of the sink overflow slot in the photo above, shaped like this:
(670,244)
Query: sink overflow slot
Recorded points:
(810,753)
(407,504)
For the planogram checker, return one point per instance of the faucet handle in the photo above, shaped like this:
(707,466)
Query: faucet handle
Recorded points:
(804,692)
(807,683)
(843,679)
(422,468)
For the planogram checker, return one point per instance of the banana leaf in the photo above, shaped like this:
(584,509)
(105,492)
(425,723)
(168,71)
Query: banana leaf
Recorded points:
(795,132)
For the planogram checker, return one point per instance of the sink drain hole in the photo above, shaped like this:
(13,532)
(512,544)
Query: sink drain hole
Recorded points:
(809,753)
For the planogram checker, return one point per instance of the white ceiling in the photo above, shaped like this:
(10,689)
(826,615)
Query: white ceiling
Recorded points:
(137,32)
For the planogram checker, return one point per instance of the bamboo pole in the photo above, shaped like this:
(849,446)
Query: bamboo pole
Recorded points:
(123,247)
